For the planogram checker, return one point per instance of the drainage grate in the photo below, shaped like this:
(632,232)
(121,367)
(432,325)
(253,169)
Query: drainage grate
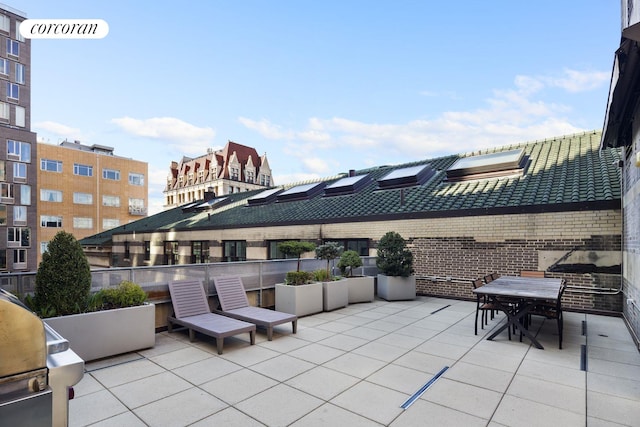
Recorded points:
(424,388)
(441,308)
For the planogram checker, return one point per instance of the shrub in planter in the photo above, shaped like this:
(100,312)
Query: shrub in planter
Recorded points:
(296,278)
(395,262)
(348,261)
(63,279)
(127,294)
(329,251)
(394,259)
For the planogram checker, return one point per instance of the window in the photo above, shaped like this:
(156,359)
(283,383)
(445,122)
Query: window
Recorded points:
(4,66)
(20,73)
(249,176)
(274,252)
(3,260)
(199,252)
(406,177)
(19,36)
(147,250)
(136,206)
(3,174)
(19,215)
(171,256)
(301,192)
(113,201)
(109,223)
(5,23)
(504,163)
(265,180)
(127,250)
(50,195)
(19,171)
(235,174)
(13,47)
(13,91)
(20,151)
(136,178)
(43,247)
(82,170)
(235,250)
(85,223)
(111,174)
(3,214)
(348,185)
(25,194)
(20,258)
(50,165)
(50,221)
(17,237)
(21,118)
(83,198)
(5,111)
(6,190)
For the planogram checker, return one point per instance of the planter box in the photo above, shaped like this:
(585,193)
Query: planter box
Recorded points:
(361,289)
(107,333)
(300,300)
(396,288)
(335,294)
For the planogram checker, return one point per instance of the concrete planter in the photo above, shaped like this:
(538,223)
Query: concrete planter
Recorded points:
(300,300)
(335,294)
(361,289)
(396,288)
(107,333)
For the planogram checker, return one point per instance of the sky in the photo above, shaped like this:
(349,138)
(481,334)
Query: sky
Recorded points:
(321,87)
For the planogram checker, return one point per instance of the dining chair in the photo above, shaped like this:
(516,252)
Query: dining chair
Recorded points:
(552,310)
(530,273)
(483,304)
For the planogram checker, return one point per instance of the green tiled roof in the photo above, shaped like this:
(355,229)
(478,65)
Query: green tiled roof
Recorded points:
(564,173)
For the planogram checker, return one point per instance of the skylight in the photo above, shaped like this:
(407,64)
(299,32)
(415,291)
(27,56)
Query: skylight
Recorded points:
(488,165)
(347,185)
(406,177)
(264,197)
(301,192)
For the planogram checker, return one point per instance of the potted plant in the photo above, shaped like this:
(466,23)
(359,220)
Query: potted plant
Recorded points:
(361,288)
(298,294)
(112,321)
(335,293)
(395,262)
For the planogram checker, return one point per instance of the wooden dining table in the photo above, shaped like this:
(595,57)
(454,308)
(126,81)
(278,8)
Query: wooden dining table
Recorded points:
(516,296)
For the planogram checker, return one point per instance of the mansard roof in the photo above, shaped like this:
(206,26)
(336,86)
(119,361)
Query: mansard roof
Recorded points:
(566,173)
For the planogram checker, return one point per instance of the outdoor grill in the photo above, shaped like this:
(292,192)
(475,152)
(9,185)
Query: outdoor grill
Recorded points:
(37,368)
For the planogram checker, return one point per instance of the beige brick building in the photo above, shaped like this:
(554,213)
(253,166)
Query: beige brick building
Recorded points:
(550,205)
(87,189)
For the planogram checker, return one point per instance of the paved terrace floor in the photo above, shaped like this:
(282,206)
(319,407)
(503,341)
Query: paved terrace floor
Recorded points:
(356,366)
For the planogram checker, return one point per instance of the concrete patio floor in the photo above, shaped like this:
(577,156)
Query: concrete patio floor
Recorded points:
(356,366)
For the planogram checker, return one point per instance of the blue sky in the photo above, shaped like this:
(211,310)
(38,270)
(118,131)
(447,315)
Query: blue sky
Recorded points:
(322,87)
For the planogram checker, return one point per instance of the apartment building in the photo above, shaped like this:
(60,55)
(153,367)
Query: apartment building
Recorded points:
(86,189)
(18,219)
(234,169)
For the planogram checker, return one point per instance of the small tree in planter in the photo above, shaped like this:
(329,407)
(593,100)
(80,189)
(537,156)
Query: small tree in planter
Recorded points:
(348,261)
(361,288)
(335,294)
(395,262)
(63,279)
(304,297)
(329,251)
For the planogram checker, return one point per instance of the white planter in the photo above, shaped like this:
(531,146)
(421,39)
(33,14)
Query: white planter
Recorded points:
(361,289)
(300,300)
(335,294)
(396,288)
(106,333)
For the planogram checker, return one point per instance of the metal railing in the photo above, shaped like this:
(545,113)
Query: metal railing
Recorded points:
(256,275)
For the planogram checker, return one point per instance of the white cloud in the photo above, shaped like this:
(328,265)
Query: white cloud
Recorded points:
(58,129)
(189,139)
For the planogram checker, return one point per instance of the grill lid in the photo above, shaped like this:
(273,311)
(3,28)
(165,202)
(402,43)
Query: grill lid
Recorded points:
(23,344)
